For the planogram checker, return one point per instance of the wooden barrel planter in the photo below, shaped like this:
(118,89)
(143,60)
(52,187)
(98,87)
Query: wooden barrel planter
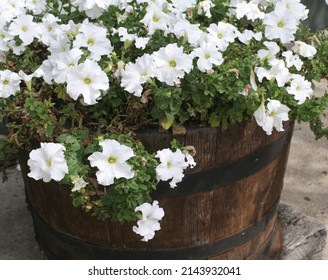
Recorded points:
(225,208)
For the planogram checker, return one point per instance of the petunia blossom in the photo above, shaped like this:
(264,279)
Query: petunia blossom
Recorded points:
(94,38)
(62,62)
(136,74)
(149,223)
(222,34)
(111,162)
(24,27)
(250,10)
(300,88)
(208,55)
(304,49)
(172,64)
(271,117)
(48,162)
(9,83)
(280,25)
(78,182)
(292,60)
(278,71)
(86,79)
(205,7)
(171,167)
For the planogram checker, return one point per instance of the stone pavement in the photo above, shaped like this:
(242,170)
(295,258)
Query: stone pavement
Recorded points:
(305,191)
(306,180)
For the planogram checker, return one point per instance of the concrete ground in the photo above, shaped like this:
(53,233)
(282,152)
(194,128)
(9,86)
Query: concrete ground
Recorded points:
(306,189)
(306,179)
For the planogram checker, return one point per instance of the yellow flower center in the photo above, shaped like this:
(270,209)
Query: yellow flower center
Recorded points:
(5,82)
(87,81)
(173,63)
(155,19)
(220,35)
(272,114)
(48,162)
(91,42)
(169,165)
(281,24)
(111,160)
(207,56)
(24,28)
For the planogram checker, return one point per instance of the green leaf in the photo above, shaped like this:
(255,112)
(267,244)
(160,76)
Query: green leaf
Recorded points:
(166,123)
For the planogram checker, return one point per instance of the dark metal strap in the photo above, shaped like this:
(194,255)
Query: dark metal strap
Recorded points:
(83,249)
(226,174)
(265,249)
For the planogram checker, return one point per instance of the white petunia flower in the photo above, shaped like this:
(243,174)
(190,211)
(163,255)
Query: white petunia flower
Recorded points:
(78,182)
(86,79)
(300,88)
(124,34)
(37,6)
(61,45)
(93,8)
(17,49)
(248,35)
(141,42)
(5,37)
(49,28)
(94,38)
(208,55)
(46,68)
(294,8)
(182,6)
(275,114)
(171,166)
(222,34)
(62,62)
(9,83)
(278,71)
(24,27)
(48,162)
(172,64)
(136,74)
(151,215)
(111,162)
(270,53)
(304,49)
(280,25)
(250,10)
(156,19)
(190,31)
(9,9)
(292,60)
(27,78)
(72,28)
(205,7)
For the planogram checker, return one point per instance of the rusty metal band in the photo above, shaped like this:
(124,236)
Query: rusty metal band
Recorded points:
(68,246)
(226,174)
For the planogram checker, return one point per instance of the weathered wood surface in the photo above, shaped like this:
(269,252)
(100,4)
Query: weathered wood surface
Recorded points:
(303,236)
